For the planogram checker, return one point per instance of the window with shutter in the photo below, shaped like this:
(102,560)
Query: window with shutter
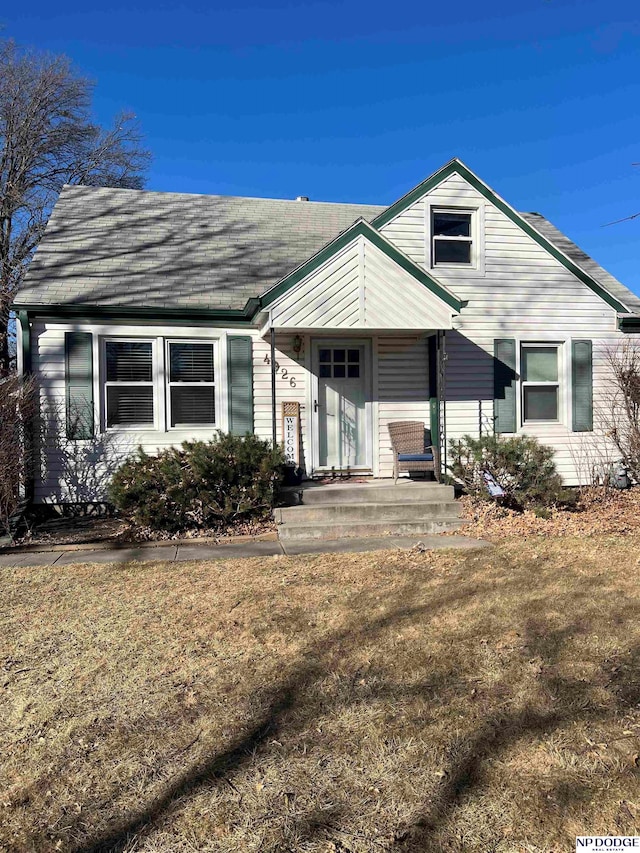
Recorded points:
(192,387)
(129,388)
(540,382)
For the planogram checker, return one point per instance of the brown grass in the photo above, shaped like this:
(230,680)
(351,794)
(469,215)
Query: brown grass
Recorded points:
(479,701)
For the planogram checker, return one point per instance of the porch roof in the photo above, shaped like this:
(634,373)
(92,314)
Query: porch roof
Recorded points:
(360,281)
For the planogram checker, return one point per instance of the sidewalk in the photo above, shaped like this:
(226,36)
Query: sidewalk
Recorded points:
(181,551)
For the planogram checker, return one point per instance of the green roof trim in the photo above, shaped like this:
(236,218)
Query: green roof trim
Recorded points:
(456,166)
(147,315)
(360,229)
(629,324)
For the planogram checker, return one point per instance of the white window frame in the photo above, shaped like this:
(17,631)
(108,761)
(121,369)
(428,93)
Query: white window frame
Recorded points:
(214,342)
(471,239)
(107,384)
(558,346)
(477,266)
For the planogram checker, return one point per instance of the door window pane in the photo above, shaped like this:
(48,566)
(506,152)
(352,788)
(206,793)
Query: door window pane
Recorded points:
(339,355)
(325,371)
(353,371)
(354,356)
(539,364)
(339,371)
(324,355)
(540,403)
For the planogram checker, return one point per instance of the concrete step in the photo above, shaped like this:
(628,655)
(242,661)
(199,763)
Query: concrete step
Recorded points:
(426,510)
(374,529)
(375,492)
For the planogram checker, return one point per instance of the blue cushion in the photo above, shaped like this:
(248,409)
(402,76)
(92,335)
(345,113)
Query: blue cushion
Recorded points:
(415,457)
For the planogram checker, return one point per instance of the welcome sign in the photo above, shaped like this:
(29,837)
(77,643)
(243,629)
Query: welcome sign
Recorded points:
(291,432)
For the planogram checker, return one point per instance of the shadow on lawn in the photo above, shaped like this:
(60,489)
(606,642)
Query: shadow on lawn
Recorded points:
(466,766)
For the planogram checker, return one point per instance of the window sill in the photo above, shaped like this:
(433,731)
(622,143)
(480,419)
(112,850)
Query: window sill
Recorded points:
(459,270)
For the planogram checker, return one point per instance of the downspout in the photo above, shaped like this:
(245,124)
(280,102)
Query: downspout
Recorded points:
(29,428)
(23,319)
(274,432)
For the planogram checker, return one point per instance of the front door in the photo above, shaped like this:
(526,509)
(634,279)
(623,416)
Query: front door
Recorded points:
(342,404)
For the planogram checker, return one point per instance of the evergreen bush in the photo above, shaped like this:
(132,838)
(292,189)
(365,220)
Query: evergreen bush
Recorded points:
(520,465)
(208,485)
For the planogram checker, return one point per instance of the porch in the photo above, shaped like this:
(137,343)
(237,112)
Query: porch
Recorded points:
(365,329)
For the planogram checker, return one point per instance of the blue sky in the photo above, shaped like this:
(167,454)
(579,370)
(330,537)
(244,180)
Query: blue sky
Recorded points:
(355,101)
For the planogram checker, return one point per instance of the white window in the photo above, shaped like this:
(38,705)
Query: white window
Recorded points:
(452,237)
(191,384)
(129,386)
(539,369)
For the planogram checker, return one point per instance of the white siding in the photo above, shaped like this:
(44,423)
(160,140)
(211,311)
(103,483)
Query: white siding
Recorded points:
(360,288)
(329,297)
(402,388)
(519,292)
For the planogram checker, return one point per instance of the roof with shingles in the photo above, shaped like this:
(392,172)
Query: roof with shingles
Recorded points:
(126,248)
(580,257)
(137,248)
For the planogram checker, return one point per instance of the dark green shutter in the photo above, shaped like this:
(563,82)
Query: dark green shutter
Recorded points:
(434,415)
(240,384)
(78,350)
(582,386)
(504,385)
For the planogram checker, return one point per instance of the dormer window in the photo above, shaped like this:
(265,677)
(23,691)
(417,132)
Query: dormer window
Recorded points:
(452,240)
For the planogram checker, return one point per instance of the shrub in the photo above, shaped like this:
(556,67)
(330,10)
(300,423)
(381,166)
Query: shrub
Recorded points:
(18,408)
(201,485)
(521,466)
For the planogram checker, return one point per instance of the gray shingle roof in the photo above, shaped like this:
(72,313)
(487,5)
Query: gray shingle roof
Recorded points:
(135,248)
(555,236)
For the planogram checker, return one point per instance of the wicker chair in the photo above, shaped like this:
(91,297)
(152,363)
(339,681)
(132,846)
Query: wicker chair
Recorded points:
(411,452)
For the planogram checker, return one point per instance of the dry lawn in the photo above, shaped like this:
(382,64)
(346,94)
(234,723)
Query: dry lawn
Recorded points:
(479,701)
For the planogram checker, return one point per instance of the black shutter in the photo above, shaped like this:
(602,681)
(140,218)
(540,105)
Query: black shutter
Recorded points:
(504,385)
(78,347)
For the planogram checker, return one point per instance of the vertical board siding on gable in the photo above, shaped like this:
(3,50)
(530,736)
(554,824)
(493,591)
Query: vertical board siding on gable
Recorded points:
(403,389)
(524,293)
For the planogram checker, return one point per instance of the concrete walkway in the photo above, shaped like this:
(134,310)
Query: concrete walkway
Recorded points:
(232,551)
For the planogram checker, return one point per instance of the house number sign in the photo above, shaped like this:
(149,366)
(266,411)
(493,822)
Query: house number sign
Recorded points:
(291,432)
(284,373)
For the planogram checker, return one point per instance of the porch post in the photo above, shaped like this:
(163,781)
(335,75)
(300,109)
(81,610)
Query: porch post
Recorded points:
(274,415)
(442,398)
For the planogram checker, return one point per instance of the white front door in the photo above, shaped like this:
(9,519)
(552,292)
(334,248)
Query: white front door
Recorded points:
(342,404)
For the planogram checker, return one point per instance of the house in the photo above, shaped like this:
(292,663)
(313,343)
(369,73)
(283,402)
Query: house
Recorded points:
(151,318)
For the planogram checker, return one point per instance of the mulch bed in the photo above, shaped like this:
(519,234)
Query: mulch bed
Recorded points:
(598,512)
(97,528)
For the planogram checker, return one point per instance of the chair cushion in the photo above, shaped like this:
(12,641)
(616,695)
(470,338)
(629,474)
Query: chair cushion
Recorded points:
(415,457)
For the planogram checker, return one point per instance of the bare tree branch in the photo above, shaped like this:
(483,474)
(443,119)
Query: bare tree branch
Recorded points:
(48,139)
